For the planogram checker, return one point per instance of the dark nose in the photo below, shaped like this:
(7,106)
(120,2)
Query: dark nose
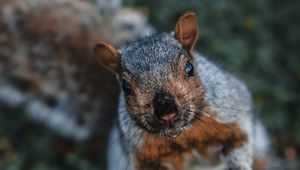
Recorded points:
(165,107)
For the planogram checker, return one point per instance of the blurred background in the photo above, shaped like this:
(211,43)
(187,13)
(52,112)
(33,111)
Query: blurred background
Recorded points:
(57,102)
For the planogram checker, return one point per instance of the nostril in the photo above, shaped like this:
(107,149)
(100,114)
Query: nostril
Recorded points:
(168,118)
(165,107)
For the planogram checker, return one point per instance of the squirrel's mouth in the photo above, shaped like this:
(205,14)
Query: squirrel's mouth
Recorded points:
(173,128)
(173,132)
(167,130)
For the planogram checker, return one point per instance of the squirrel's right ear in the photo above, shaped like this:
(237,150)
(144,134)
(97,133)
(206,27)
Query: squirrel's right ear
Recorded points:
(187,31)
(108,56)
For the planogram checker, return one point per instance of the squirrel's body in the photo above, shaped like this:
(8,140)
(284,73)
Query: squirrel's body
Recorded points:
(124,138)
(166,116)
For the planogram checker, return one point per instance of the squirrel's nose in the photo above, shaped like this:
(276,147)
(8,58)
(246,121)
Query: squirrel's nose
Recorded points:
(168,118)
(165,107)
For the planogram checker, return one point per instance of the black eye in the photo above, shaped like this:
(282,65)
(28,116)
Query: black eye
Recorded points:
(189,69)
(126,87)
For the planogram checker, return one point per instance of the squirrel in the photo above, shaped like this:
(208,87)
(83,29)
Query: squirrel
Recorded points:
(175,104)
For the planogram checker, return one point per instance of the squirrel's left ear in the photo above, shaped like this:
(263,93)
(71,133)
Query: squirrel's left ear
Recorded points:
(187,31)
(108,56)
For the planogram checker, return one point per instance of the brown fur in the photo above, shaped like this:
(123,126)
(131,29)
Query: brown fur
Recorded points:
(184,91)
(108,56)
(156,150)
(203,134)
(188,93)
(187,31)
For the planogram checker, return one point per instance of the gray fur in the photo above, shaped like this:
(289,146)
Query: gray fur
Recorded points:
(230,98)
(149,58)
(227,96)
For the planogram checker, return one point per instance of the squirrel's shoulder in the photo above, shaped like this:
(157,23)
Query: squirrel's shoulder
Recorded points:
(211,71)
(226,93)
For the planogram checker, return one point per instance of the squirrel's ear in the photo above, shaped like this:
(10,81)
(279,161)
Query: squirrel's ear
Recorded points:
(187,31)
(108,56)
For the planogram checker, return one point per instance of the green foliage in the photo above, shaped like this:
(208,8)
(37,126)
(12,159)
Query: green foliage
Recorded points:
(26,145)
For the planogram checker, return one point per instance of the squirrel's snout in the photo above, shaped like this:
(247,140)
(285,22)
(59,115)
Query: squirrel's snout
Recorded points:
(168,118)
(165,107)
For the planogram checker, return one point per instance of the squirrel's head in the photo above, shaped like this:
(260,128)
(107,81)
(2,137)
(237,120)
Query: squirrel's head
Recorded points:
(158,78)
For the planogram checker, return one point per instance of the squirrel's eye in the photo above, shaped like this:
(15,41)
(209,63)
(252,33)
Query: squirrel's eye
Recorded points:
(126,87)
(189,69)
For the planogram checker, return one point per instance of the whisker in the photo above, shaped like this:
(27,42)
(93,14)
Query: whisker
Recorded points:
(120,156)
(193,89)
(146,144)
(206,114)
(228,108)
(135,149)
(213,71)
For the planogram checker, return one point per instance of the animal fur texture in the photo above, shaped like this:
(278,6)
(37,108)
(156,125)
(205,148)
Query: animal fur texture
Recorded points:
(47,67)
(216,116)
